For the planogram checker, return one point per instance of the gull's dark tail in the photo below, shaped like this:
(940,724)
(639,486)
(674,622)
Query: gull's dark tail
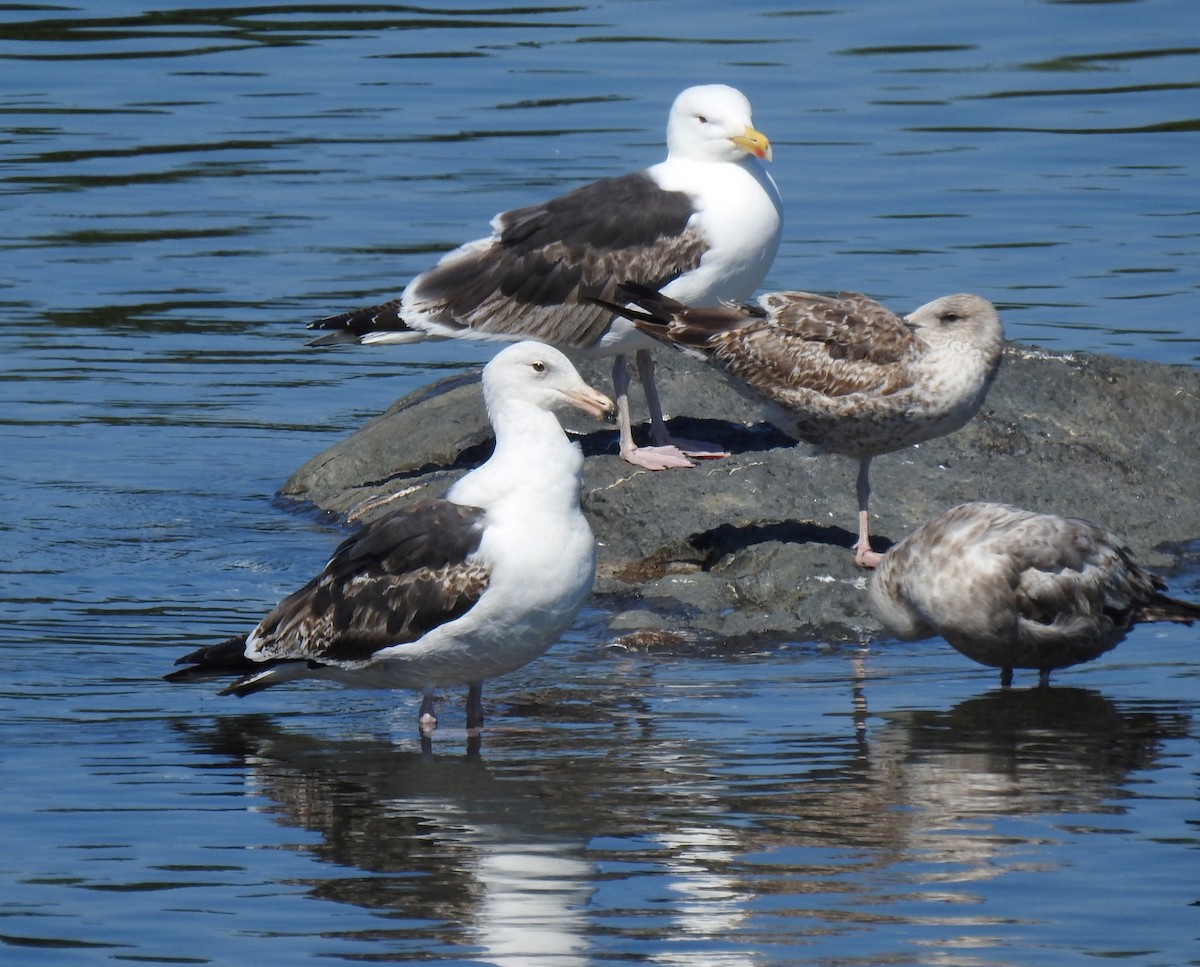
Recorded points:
(1159,607)
(668,320)
(229,659)
(215,661)
(356,325)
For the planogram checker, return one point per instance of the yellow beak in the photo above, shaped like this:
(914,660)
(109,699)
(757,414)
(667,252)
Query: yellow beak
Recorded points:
(753,142)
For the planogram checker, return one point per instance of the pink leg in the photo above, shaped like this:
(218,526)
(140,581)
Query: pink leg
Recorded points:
(427,717)
(658,427)
(648,458)
(863,555)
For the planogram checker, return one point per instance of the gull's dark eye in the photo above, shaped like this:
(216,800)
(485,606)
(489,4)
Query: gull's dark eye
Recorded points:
(951,317)
(538,366)
(702,119)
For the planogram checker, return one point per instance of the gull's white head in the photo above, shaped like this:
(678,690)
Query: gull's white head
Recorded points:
(535,373)
(712,122)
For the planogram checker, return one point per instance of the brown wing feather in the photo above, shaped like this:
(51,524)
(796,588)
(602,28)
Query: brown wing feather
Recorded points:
(548,263)
(351,326)
(389,584)
(375,610)
(539,275)
(848,326)
(794,345)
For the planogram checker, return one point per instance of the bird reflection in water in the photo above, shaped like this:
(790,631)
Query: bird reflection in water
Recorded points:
(448,844)
(668,844)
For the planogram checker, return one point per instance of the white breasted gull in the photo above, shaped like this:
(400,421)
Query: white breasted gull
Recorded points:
(454,590)
(703,225)
(843,372)
(1014,589)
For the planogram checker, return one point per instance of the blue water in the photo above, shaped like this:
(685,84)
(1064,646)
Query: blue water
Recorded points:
(181,190)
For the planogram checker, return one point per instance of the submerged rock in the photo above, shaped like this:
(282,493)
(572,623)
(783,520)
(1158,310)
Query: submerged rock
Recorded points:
(759,543)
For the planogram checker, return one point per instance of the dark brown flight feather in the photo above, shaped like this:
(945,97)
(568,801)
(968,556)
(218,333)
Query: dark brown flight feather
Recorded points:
(537,279)
(390,583)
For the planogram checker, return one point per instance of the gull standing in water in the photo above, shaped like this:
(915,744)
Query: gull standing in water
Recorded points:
(1015,589)
(448,591)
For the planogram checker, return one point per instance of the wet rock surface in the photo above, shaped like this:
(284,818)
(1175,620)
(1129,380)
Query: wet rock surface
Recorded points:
(759,543)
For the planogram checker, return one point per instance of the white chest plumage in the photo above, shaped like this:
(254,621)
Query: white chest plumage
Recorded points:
(533,527)
(740,214)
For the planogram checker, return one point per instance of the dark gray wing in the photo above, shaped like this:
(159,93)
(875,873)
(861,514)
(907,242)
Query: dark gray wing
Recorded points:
(353,325)
(537,276)
(390,583)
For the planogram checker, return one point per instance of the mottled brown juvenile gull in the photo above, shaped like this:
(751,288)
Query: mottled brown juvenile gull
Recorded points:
(843,372)
(1015,589)
(448,591)
(703,225)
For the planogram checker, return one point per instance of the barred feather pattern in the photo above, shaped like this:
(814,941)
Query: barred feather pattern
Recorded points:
(1015,589)
(844,372)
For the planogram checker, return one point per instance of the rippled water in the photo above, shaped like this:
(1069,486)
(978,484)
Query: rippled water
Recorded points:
(182,189)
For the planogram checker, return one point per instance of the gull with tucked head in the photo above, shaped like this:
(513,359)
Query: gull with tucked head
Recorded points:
(1014,589)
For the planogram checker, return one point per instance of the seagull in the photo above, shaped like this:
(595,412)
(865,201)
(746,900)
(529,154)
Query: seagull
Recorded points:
(842,372)
(1014,589)
(703,225)
(454,590)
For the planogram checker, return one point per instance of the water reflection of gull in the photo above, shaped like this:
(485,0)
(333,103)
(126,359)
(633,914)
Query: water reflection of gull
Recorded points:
(471,857)
(712,899)
(571,847)
(531,908)
(925,809)
(1009,753)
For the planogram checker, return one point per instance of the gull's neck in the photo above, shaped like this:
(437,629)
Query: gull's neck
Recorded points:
(533,461)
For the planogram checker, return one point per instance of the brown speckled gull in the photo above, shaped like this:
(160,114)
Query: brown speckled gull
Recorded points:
(1014,589)
(844,372)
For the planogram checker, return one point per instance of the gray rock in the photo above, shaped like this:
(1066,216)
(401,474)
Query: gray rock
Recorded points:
(759,543)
